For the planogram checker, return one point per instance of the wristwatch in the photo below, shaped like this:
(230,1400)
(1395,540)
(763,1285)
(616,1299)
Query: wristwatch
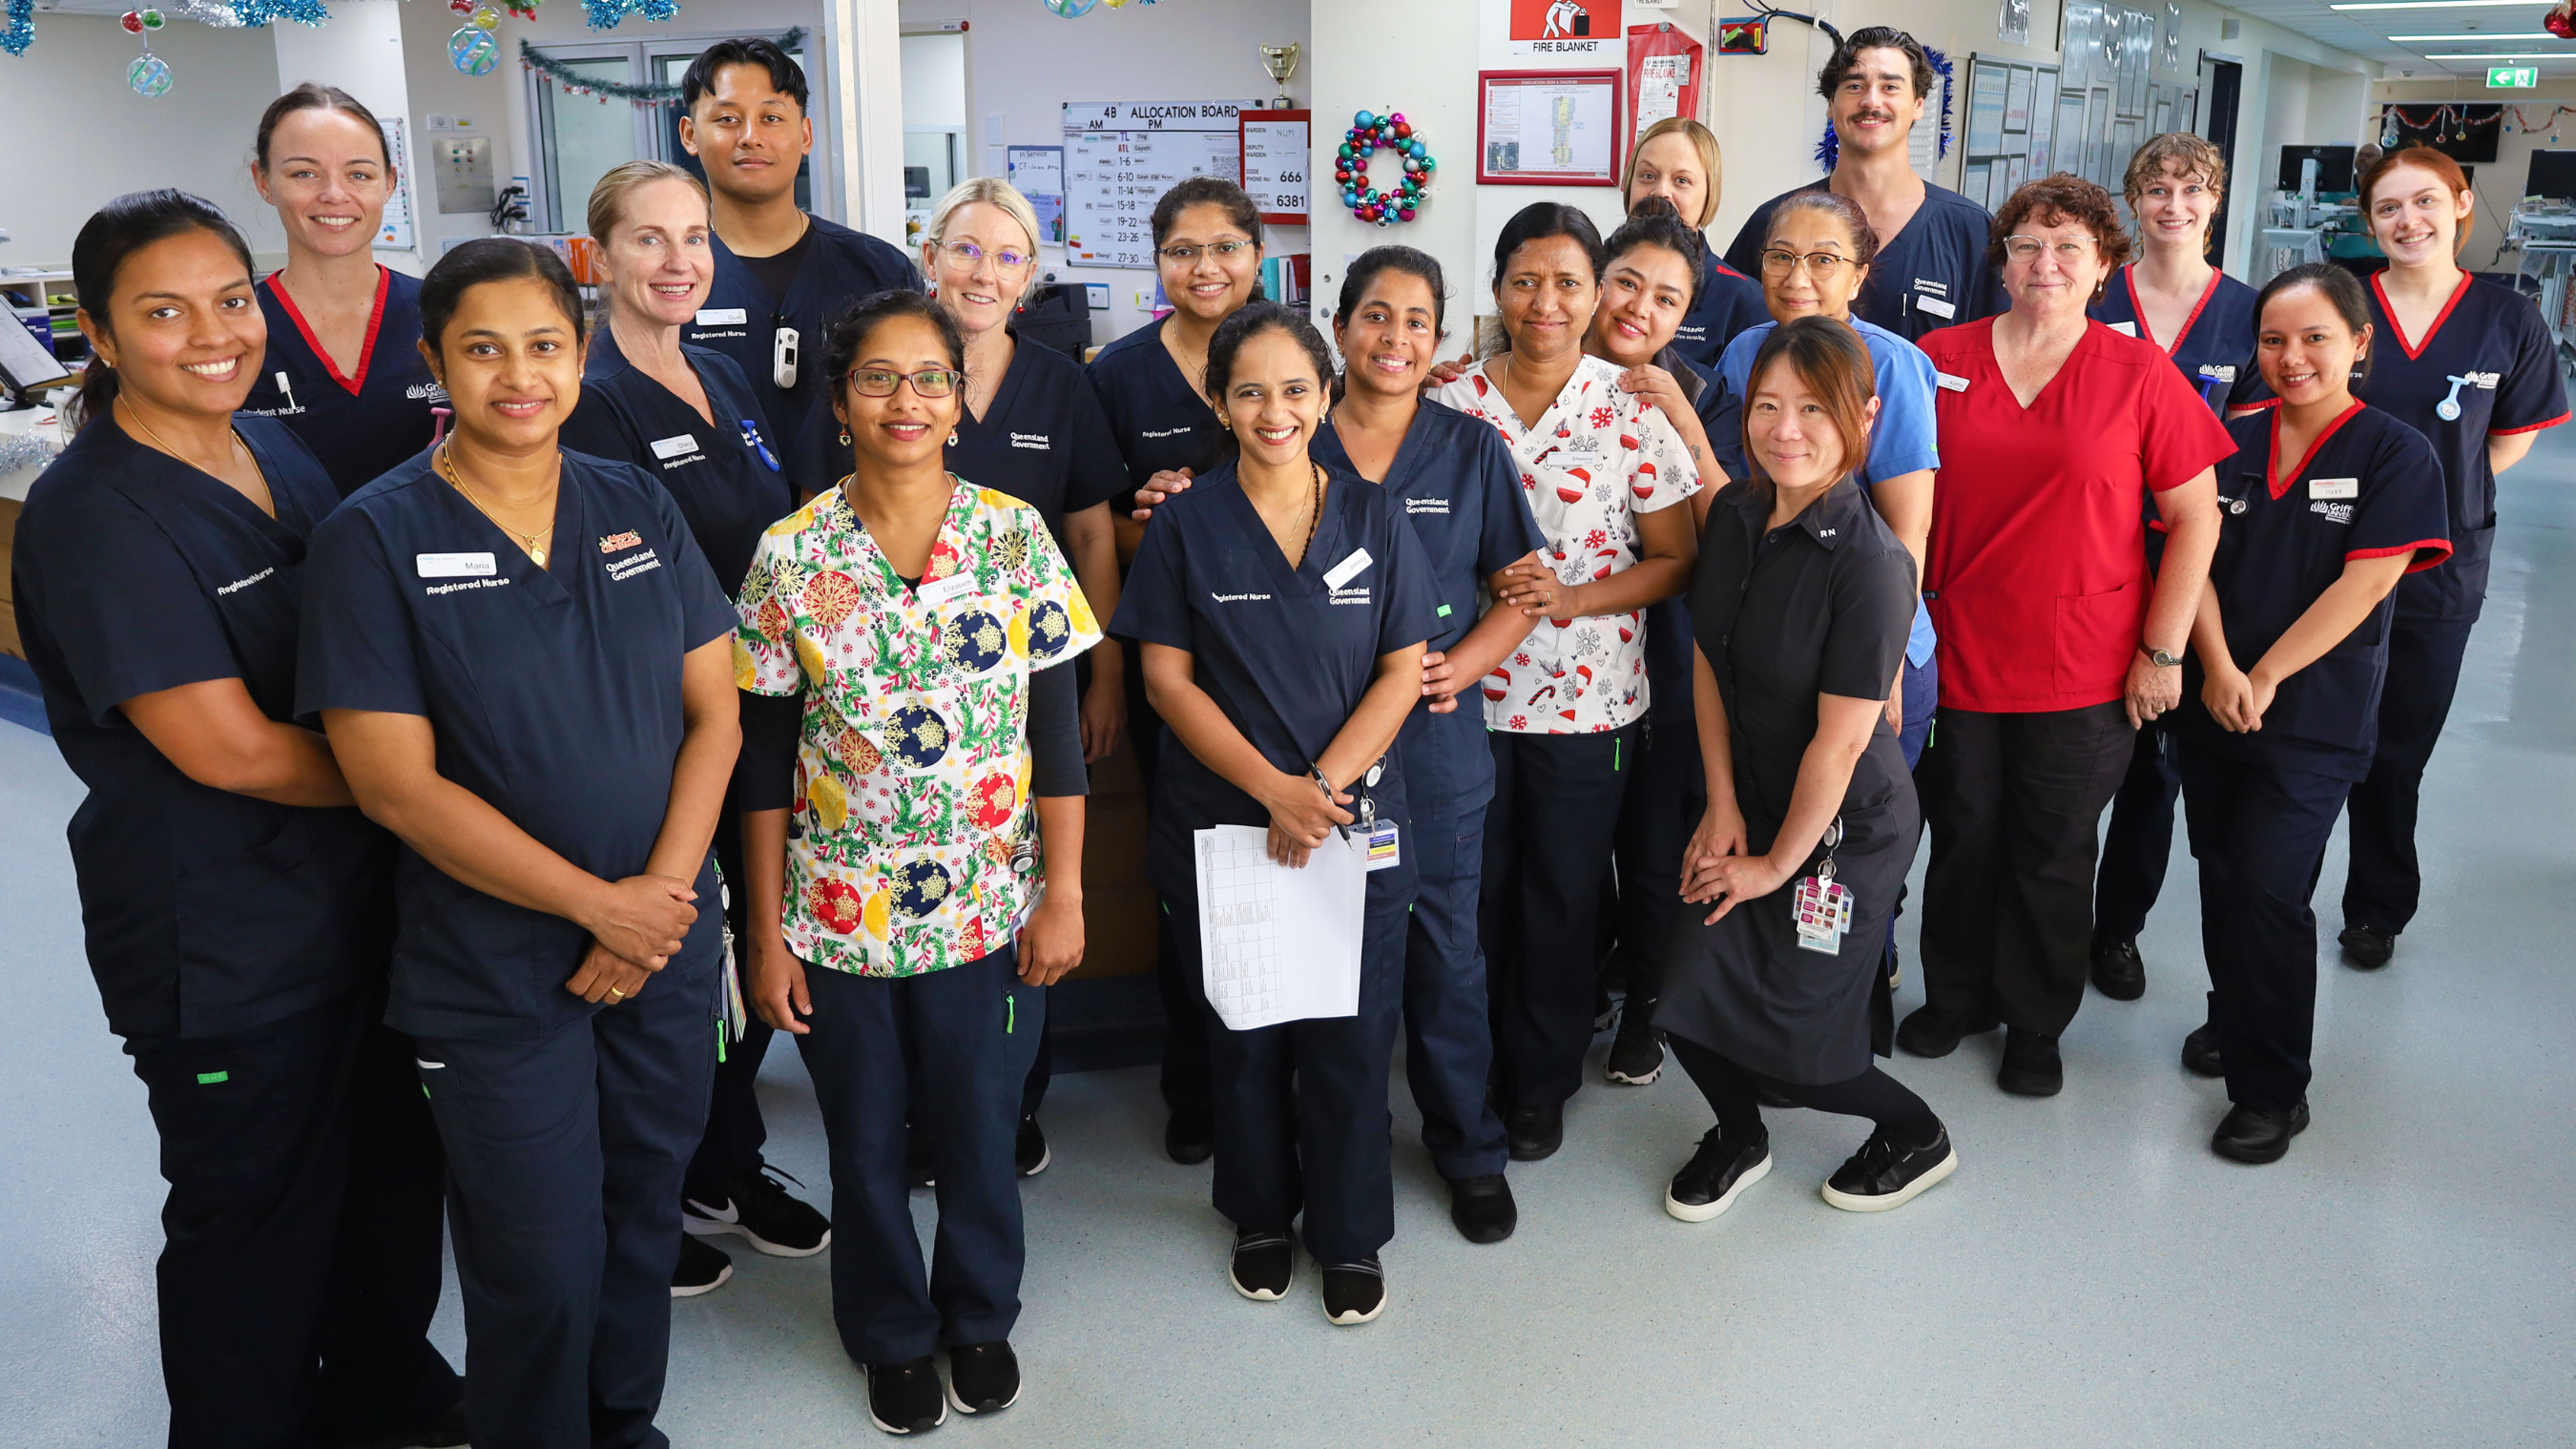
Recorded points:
(2160,658)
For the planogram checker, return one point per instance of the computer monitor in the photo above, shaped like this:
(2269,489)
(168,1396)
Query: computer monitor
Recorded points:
(2553,176)
(2334,166)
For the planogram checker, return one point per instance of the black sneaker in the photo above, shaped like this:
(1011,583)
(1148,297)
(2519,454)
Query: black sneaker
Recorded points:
(1535,1132)
(904,1398)
(1032,1153)
(1190,1137)
(1264,1264)
(2259,1134)
(1887,1174)
(1482,1208)
(2367,948)
(1637,1052)
(1708,1183)
(2031,1066)
(2200,1055)
(983,1378)
(2119,972)
(761,1210)
(1354,1292)
(1932,1032)
(702,1268)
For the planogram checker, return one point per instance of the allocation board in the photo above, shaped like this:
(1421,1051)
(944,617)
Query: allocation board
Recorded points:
(1121,156)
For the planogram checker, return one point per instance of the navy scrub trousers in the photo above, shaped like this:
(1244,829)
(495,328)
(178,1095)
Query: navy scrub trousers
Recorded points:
(2385,883)
(1556,814)
(970,1032)
(1448,1022)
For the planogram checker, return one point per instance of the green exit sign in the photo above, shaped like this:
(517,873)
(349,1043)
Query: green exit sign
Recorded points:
(2512,77)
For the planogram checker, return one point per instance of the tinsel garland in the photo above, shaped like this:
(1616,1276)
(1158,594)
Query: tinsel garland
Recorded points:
(19,31)
(531,58)
(1830,148)
(219,14)
(25,450)
(604,14)
(261,12)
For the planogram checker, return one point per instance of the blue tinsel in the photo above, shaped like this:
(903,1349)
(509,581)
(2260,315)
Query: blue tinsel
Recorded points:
(20,31)
(261,12)
(604,14)
(1829,149)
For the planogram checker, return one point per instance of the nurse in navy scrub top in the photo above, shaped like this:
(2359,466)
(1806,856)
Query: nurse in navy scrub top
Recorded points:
(344,368)
(524,664)
(2471,365)
(1282,607)
(238,909)
(1677,159)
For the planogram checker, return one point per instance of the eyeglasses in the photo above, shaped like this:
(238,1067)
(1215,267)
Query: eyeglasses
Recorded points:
(880,381)
(2028,248)
(1226,251)
(967,254)
(1822,266)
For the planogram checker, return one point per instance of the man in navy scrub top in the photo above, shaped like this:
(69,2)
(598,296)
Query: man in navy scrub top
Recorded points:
(344,368)
(524,665)
(2326,503)
(778,268)
(1677,159)
(686,417)
(238,912)
(2472,366)
(1931,270)
(1462,495)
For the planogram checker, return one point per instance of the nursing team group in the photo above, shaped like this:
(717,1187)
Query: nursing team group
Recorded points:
(499,721)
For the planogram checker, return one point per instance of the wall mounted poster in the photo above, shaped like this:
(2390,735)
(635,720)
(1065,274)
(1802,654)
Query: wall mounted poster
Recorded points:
(1274,164)
(1988,84)
(1588,31)
(1547,128)
(2017,99)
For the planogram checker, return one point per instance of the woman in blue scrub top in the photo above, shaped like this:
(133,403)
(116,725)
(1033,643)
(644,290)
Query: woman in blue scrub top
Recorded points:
(2204,320)
(524,665)
(1460,492)
(238,909)
(687,417)
(2472,366)
(344,368)
(1283,607)
(1677,159)
(2326,504)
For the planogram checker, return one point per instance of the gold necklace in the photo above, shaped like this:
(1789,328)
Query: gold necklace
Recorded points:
(533,543)
(163,444)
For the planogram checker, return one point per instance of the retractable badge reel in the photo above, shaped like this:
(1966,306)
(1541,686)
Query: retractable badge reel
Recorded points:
(1378,835)
(782,358)
(1822,906)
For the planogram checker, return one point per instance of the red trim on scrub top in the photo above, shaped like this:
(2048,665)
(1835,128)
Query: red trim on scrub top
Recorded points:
(2533,428)
(366,353)
(2430,552)
(1723,270)
(2272,460)
(2416,349)
(2129,279)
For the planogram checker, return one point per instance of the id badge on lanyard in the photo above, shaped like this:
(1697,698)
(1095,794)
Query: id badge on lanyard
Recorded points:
(1822,906)
(1377,838)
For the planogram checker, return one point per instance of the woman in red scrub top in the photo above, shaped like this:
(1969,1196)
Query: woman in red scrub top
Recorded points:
(2056,643)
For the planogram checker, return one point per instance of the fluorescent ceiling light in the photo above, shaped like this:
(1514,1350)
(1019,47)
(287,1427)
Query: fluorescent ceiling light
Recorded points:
(2482,35)
(2503,55)
(2436,5)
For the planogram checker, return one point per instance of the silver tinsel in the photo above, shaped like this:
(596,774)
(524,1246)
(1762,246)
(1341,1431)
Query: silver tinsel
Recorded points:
(24,450)
(217,13)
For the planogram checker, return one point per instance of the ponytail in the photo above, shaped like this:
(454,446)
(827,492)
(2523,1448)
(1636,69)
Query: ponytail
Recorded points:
(120,229)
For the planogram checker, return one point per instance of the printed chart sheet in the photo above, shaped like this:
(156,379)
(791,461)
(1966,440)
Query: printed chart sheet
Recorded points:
(1278,944)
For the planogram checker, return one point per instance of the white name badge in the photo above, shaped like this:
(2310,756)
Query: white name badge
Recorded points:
(1949,383)
(1348,569)
(667,448)
(2334,488)
(722,317)
(2217,372)
(941,591)
(455,565)
(1936,307)
(2125,329)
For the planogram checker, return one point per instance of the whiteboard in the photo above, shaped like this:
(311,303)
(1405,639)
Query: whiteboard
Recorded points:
(1121,156)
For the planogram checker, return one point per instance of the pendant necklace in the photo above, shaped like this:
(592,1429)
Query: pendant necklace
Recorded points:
(532,543)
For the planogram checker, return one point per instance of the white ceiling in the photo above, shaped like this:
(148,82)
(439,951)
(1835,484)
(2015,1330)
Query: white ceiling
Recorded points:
(2455,31)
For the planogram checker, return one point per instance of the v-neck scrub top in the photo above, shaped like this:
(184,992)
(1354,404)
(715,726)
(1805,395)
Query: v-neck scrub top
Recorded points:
(2369,487)
(1160,422)
(361,425)
(1044,440)
(1933,274)
(724,474)
(2215,353)
(1285,655)
(204,911)
(2037,570)
(2489,354)
(555,697)
(1729,301)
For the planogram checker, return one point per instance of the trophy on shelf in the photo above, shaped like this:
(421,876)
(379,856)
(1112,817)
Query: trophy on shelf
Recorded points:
(1281,62)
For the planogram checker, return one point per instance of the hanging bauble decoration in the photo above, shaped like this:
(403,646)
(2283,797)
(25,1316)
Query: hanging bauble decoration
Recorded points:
(485,18)
(1370,133)
(462,8)
(2561,20)
(1070,9)
(136,22)
(149,75)
(604,14)
(473,51)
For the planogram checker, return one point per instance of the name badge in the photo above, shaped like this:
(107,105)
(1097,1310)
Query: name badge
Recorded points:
(667,448)
(455,565)
(2334,488)
(1936,307)
(1348,569)
(2219,372)
(2125,329)
(1949,383)
(941,591)
(722,317)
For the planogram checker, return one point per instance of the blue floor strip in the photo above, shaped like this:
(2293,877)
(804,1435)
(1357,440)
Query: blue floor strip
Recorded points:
(22,702)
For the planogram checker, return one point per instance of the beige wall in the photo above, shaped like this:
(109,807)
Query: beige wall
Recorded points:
(2498,183)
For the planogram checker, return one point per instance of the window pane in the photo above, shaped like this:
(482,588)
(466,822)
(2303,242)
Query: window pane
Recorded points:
(584,139)
(667,69)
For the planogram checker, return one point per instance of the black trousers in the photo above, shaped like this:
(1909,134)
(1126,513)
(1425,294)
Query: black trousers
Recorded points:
(2260,833)
(1661,806)
(2138,842)
(302,1263)
(730,1150)
(1734,1093)
(2385,882)
(1548,837)
(2015,802)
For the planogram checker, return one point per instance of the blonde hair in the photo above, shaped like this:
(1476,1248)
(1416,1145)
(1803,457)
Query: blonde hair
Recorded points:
(1711,160)
(608,198)
(992,191)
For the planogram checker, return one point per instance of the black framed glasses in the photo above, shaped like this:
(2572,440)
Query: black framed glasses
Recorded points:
(881,381)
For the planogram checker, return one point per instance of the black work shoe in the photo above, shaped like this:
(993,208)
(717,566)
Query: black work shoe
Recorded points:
(2118,971)
(1708,1183)
(1932,1032)
(1637,1052)
(2367,948)
(1482,1208)
(1031,1154)
(1354,1292)
(447,1431)
(1190,1137)
(761,1210)
(1886,1173)
(2200,1053)
(2259,1134)
(702,1268)
(1535,1132)
(2031,1067)
(983,1378)
(904,1398)
(1264,1264)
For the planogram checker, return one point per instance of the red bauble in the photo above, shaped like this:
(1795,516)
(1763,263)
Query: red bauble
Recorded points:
(1403,131)
(2560,22)
(132,21)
